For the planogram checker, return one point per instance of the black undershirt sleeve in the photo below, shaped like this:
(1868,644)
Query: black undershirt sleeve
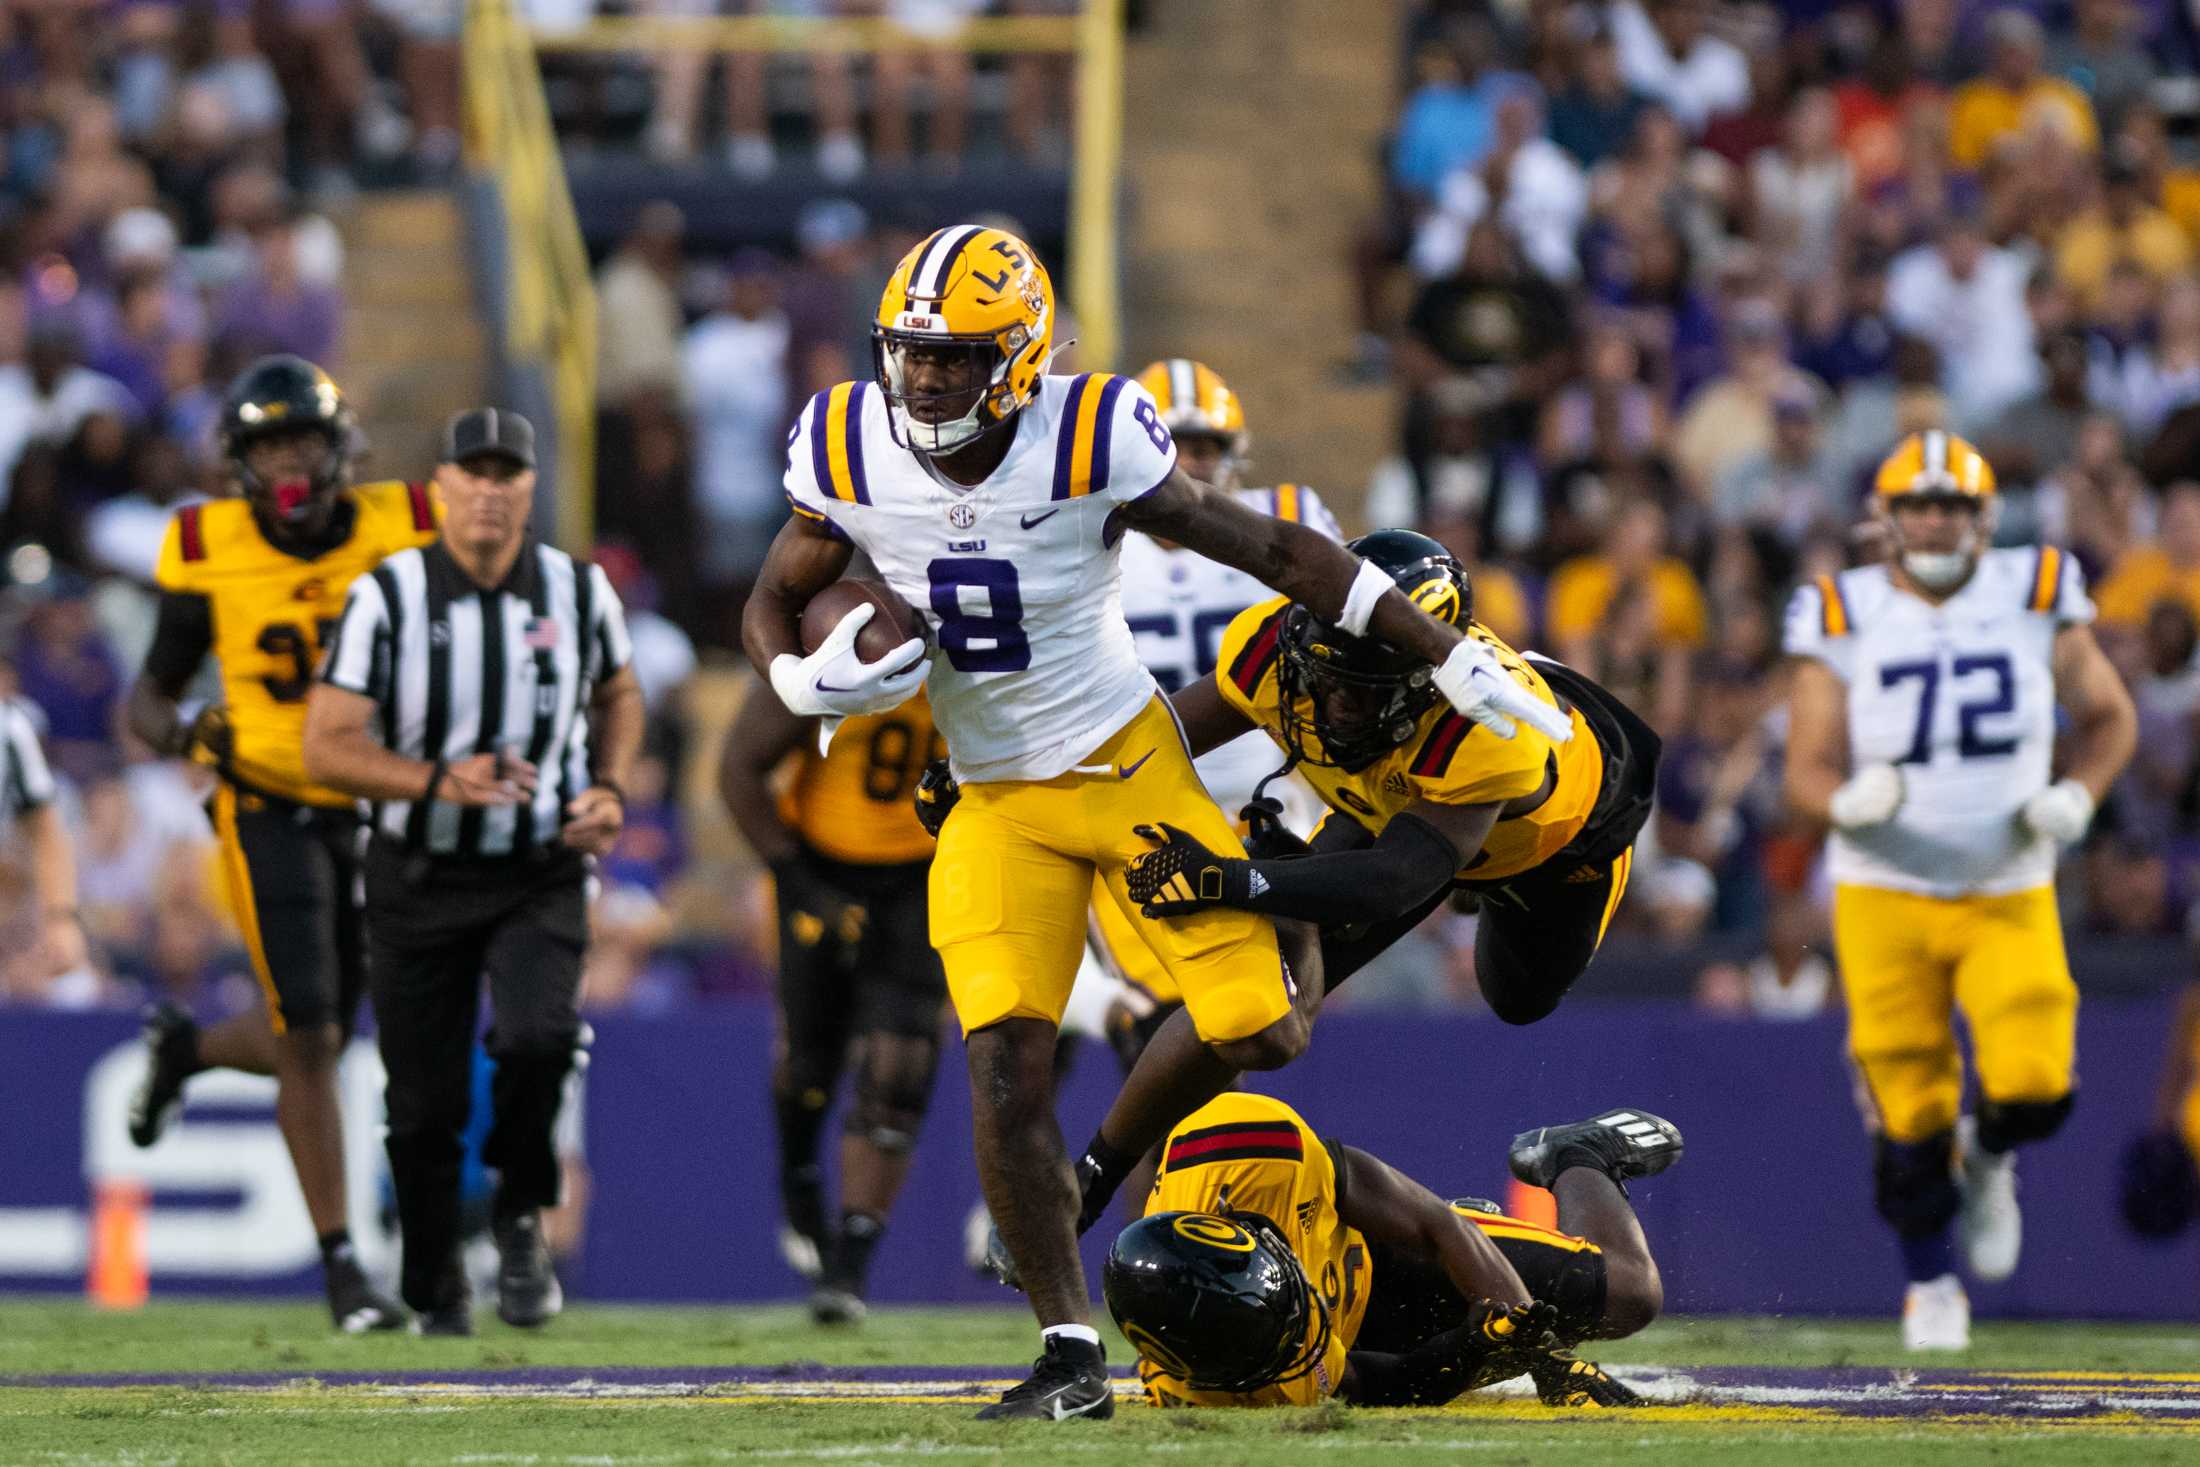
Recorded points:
(181,639)
(1409,862)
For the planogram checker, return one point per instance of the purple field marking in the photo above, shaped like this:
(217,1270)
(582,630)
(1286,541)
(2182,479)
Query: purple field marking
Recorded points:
(541,1375)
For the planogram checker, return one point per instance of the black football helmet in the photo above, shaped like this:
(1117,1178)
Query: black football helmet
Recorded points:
(1385,690)
(1216,1300)
(281,394)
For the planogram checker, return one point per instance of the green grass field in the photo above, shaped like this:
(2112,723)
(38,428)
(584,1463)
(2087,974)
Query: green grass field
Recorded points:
(740,1385)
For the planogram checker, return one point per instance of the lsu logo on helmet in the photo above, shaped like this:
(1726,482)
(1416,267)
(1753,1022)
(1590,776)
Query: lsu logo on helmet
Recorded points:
(971,292)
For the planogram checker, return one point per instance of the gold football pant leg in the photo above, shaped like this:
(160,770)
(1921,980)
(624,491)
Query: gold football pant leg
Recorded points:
(2014,985)
(1901,995)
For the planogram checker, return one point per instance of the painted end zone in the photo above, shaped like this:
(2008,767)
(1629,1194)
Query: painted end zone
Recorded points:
(2034,1399)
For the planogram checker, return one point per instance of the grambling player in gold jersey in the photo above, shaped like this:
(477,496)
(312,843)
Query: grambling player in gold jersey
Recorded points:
(1274,1267)
(858,981)
(254,581)
(1422,802)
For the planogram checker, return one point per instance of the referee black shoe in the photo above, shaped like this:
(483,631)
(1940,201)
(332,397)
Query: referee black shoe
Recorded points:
(171,1057)
(527,1286)
(1620,1143)
(356,1306)
(1070,1380)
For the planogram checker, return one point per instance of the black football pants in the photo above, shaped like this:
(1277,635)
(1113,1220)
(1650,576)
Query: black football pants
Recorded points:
(1536,935)
(434,929)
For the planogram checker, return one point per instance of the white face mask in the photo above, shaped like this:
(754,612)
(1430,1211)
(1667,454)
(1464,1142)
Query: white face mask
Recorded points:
(1937,571)
(938,438)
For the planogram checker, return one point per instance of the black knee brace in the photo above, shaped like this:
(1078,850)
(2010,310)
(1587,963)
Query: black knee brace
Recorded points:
(2003,1124)
(894,1090)
(1916,1184)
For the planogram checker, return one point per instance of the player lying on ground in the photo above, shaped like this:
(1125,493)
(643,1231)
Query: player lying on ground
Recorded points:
(1923,730)
(1423,802)
(1275,1268)
(996,495)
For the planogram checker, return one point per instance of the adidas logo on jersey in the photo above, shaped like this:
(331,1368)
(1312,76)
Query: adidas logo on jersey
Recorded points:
(1395,783)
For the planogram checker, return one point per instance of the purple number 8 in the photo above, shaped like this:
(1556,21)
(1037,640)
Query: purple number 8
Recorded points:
(1155,428)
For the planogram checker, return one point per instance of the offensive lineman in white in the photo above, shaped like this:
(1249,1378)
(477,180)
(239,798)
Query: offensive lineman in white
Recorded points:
(1923,733)
(994,497)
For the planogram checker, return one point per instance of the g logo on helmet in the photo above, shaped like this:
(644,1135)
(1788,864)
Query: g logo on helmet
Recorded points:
(1214,1232)
(1439,598)
(1144,1343)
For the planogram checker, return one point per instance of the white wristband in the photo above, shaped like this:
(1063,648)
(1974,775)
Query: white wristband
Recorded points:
(1359,602)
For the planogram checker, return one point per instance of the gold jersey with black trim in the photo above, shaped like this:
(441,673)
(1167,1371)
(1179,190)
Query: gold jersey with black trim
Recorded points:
(1450,760)
(852,801)
(1252,1154)
(266,612)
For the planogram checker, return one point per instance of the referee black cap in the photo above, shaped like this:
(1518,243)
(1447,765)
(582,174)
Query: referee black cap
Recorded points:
(486,431)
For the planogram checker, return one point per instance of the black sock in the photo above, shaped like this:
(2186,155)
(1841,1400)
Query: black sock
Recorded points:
(852,1249)
(800,1125)
(1099,1173)
(336,1248)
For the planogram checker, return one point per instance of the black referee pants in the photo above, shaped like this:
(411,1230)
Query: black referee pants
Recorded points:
(434,929)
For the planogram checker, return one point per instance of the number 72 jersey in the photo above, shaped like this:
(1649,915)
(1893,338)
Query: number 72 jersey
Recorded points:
(269,610)
(1960,698)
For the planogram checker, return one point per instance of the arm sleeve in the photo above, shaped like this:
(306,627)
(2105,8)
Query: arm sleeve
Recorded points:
(1139,452)
(32,781)
(182,636)
(1409,862)
(609,647)
(358,655)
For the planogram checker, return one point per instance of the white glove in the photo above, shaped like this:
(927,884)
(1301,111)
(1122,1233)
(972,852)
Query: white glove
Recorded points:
(834,681)
(1473,681)
(2061,812)
(1870,797)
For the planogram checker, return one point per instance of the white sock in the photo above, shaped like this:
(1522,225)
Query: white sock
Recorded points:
(1084,1332)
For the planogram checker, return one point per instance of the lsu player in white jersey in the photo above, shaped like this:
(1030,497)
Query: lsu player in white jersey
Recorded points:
(1923,732)
(1177,604)
(994,497)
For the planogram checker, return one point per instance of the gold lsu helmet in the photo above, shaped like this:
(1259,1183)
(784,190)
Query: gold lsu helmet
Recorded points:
(1936,464)
(974,287)
(1192,398)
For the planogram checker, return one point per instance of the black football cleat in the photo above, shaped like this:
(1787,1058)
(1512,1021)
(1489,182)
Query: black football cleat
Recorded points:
(171,1057)
(1620,1143)
(835,1304)
(528,1293)
(356,1306)
(454,1320)
(1069,1381)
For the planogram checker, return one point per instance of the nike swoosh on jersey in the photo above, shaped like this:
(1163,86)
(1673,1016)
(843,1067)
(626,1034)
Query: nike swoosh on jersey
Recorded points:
(1033,521)
(1127,770)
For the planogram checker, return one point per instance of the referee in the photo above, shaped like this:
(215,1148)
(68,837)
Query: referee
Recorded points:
(477,692)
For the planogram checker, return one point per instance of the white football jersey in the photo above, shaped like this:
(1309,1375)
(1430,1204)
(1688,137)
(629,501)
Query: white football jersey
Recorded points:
(1032,665)
(1177,603)
(1960,698)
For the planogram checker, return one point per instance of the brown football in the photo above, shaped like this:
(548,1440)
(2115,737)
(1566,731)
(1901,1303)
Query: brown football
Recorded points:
(893,624)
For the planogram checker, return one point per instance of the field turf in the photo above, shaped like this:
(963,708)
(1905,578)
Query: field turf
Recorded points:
(244,1383)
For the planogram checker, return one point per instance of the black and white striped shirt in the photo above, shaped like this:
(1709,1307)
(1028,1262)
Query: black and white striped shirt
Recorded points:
(460,671)
(25,781)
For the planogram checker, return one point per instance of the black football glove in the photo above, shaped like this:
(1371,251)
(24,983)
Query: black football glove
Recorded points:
(1504,1343)
(1179,876)
(1267,838)
(936,795)
(1564,1379)
(206,739)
